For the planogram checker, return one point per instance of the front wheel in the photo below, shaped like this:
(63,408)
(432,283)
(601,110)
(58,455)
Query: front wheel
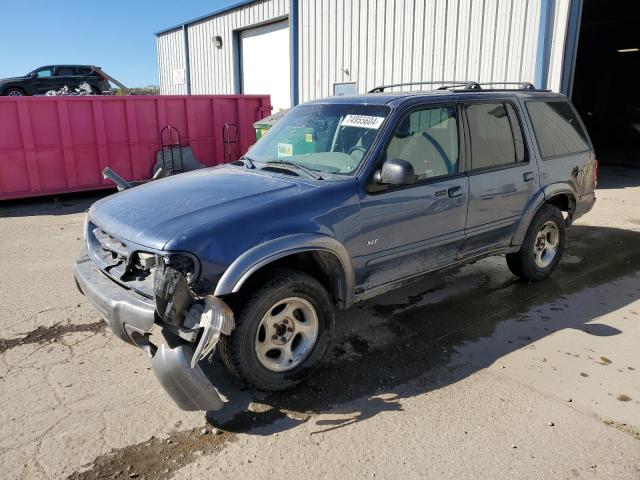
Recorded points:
(542,247)
(282,332)
(14,92)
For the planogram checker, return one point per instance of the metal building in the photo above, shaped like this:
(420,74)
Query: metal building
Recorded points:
(298,50)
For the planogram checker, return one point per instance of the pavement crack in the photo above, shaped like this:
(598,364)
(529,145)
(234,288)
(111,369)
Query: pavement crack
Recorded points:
(43,335)
(623,427)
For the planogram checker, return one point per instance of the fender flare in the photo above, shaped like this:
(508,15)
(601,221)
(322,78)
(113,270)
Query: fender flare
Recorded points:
(536,202)
(265,253)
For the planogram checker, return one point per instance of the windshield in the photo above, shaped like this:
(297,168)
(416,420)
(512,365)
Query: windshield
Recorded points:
(326,138)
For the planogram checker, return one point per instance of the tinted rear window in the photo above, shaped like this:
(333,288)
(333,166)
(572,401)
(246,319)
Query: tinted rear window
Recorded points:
(65,71)
(496,138)
(557,128)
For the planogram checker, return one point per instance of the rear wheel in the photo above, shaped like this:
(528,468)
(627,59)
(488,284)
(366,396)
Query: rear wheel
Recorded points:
(14,92)
(542,247)
(282,332)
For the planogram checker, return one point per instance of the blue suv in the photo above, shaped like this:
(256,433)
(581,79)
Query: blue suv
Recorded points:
(343,199)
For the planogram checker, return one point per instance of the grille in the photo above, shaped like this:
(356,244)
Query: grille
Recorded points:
(121,261)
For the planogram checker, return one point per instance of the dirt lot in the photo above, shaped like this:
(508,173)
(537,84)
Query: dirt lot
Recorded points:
(466,374)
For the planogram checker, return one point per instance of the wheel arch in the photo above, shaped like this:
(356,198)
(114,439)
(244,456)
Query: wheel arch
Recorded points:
(19,87)
(565,201)
(319,255)
(562,195)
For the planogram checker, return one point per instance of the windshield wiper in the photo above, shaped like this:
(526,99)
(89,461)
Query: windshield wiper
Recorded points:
(248,163)
(311,173)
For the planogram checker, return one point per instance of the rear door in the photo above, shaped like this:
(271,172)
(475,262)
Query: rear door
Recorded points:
(66,76)
(503,176)
(564,147)
(412,229)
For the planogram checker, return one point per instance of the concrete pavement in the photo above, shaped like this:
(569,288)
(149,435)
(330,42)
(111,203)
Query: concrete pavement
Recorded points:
(465,374)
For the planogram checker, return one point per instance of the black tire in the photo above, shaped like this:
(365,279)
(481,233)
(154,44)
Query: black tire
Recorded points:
(14,92)
(238,350)
(523,262)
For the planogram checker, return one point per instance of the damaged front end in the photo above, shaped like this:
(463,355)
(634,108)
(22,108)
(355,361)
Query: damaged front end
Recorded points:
(134,289)
(196,320)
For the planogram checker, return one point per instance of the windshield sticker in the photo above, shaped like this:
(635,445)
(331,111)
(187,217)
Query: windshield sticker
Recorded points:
(362,121)
(285,150)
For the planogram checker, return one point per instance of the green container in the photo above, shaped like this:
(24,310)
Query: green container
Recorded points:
(263,126)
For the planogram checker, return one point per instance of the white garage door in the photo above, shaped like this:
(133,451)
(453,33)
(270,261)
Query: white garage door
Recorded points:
(266,63)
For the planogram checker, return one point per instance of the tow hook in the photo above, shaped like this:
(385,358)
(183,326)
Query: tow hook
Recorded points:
(215,317)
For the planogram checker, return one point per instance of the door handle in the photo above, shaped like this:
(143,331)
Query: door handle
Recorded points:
(527,177)
(455,192)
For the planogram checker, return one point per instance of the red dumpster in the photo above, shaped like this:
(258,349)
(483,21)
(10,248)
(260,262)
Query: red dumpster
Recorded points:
(52,145)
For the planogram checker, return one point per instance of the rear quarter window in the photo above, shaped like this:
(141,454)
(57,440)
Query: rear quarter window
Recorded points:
(557,128)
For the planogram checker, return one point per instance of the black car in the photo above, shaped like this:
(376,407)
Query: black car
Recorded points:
(54,77)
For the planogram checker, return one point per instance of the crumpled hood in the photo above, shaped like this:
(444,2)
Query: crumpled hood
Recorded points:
(176,207)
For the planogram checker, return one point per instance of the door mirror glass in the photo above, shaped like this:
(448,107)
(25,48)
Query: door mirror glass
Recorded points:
(396,172)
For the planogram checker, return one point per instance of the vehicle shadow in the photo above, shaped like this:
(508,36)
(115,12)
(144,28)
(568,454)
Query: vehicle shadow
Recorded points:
(408,342)
(63,204)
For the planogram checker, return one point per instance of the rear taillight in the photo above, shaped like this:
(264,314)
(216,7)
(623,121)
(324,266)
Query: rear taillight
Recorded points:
(595,173)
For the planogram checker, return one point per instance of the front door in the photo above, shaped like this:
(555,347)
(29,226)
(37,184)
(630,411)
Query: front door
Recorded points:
(503,177)
(412,229)
(44,81)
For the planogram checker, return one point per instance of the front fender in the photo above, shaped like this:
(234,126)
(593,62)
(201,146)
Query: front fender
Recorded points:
(536,202)
(263,254)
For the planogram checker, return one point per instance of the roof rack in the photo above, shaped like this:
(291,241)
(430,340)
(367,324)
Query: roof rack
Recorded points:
(463,85)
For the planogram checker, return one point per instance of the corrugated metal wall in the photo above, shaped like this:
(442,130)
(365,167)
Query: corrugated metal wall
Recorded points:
(170,57)
(560,19)
(213,69)
(373,42)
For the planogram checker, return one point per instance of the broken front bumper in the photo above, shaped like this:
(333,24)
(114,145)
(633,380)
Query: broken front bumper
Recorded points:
(131,318)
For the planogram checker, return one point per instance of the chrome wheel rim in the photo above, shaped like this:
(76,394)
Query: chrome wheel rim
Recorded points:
(15,93)
(286,334)
(545,247)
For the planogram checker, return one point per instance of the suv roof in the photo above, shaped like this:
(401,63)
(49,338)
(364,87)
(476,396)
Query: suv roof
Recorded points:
(448,90)
(65,65)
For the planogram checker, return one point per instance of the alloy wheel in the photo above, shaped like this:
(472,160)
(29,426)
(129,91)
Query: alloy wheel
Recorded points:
(286,335)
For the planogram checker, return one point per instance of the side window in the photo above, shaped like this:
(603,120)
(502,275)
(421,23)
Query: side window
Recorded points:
(557,128)
(428,139)
(65,71)
(44,73)
(496,136)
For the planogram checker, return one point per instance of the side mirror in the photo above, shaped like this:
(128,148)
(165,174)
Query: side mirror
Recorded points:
(396,172)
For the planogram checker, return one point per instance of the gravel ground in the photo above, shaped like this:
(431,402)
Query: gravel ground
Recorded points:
(465,374)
